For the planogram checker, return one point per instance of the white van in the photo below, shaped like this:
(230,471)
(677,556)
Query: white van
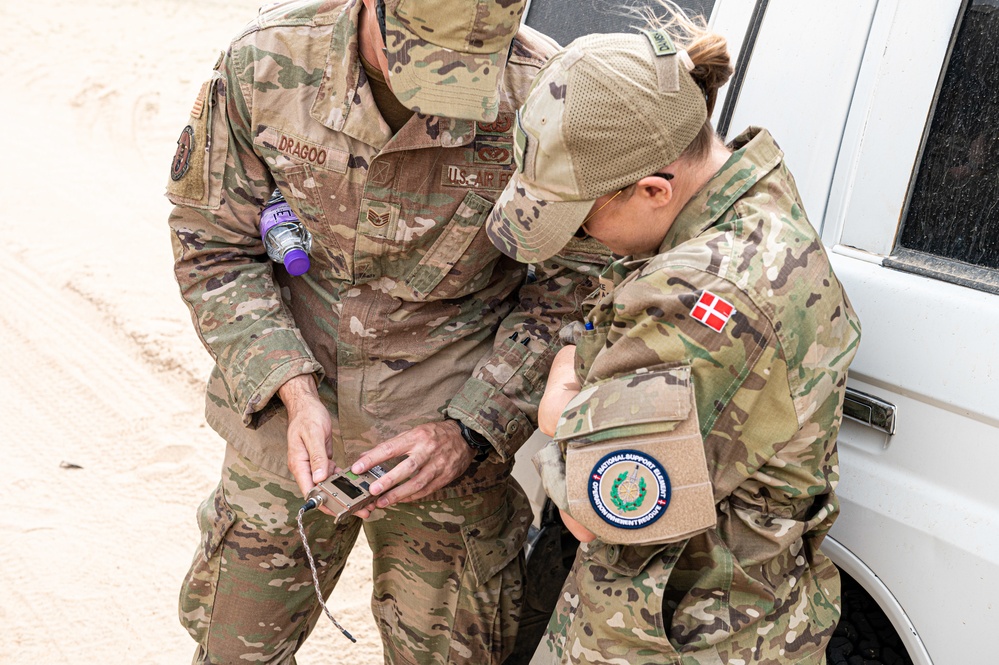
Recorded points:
(888,113)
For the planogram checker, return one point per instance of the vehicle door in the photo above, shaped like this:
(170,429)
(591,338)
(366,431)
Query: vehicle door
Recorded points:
(888,112)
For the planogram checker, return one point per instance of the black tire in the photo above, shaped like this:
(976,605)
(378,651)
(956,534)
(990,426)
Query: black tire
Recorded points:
(864,635)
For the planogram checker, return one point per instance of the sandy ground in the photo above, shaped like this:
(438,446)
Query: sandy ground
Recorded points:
(102,369)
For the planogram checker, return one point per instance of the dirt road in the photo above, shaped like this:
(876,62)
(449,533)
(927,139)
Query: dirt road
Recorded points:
(105,455)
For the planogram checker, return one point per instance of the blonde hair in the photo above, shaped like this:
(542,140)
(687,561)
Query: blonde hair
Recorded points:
(707,50)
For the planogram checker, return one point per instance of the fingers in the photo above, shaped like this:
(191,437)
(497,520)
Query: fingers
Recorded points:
(384,451)
(408,488)
(559,390)
(581,533)
(319,458)
(300,464)
(308,461)
(433,455)
(411,445)
(310,445)
(363,513)
(407,478)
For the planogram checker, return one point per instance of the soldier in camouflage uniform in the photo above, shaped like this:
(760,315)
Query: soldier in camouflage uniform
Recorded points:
(695,420)
(388,128)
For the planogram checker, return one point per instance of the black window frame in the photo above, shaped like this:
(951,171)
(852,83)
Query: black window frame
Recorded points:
(925,263)
(614,10)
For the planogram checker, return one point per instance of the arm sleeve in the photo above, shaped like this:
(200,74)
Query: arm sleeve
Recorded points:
(772,465)
(501,399)
(740,379)
(220,264)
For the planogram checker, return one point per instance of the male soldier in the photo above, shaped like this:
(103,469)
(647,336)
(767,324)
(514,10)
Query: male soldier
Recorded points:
(409,338)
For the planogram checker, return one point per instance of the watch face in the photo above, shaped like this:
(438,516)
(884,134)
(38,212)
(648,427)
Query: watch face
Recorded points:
(471,437)
(475,441)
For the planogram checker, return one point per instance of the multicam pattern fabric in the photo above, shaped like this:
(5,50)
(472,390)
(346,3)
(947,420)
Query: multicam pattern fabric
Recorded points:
(445,57)
(249,593)
(408,314)
(768,389)
(408,311)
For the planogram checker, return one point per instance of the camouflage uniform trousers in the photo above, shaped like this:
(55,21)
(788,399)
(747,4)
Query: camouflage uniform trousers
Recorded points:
(448,575)
(610,611)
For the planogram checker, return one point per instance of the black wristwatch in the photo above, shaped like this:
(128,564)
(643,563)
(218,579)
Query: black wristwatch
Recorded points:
(478,443)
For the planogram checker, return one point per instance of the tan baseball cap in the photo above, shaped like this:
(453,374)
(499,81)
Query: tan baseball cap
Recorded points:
(604,113)
(448,58)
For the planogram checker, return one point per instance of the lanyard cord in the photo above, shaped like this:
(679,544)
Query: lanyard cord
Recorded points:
(309,505)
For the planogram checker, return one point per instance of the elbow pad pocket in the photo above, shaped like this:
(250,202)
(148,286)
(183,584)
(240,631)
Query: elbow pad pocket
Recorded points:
(636,471)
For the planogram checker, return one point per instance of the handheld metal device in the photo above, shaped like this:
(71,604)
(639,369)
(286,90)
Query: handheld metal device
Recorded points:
(345,493)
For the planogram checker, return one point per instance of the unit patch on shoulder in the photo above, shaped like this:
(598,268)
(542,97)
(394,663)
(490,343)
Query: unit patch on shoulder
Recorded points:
(629,489)
(712,311)
(182,158)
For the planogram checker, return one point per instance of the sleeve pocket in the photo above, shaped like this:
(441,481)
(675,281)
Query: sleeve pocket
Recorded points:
(199,162)
(636,471)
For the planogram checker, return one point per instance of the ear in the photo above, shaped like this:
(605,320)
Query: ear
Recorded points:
(655,190)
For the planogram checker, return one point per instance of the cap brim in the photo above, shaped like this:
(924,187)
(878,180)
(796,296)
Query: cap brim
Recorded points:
(531,229)
(435,80)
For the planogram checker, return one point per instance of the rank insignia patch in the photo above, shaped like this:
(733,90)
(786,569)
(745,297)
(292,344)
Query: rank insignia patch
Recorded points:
(493,152)
(378,220)
(629,489)
(182,158)
(712,311)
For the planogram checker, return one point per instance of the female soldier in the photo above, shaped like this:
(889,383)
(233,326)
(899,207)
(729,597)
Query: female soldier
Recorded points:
(694,449)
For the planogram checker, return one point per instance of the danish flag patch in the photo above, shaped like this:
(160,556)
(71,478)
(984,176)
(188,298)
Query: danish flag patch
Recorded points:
(712,311)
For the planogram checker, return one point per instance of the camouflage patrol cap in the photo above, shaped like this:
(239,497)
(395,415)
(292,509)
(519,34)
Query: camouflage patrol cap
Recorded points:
(602,114)
(448,58)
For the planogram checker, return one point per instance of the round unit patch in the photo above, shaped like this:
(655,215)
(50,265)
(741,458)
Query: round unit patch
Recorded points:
(182,158)
(629,489)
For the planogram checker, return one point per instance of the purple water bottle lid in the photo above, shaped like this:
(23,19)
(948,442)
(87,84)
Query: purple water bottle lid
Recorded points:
(296,262)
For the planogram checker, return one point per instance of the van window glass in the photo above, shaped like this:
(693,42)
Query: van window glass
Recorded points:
(954,204)
(564,20)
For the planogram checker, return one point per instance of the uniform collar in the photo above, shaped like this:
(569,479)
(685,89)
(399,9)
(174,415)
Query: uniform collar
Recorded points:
(343,97)
(755,154)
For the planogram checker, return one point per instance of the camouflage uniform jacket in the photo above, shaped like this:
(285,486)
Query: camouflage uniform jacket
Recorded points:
(408,313)
(768,390)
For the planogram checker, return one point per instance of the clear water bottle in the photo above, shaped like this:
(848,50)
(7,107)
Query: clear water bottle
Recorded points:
(287,241)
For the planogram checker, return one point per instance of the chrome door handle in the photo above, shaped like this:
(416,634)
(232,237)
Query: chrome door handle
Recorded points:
(869,410)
